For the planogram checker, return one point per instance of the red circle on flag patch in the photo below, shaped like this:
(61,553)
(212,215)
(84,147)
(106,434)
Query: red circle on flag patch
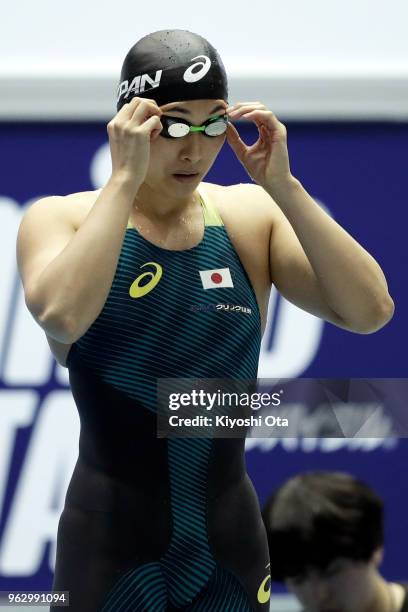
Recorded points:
(216,277)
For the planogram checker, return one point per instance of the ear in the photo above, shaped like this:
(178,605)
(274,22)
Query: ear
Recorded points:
(377,557)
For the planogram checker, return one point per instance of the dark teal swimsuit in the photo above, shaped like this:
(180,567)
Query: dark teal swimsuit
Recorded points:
(154,524)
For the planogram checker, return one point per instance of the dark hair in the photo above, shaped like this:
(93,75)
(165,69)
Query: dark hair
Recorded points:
(317,517)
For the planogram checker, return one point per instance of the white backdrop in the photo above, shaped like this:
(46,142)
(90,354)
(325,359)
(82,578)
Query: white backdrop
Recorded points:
(307,59)
(258,33)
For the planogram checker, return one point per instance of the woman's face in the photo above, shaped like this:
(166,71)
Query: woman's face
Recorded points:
(194,153)
(345,586)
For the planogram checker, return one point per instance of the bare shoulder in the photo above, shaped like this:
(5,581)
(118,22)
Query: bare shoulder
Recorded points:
(243,203)
(77,205)
(80,196)
(72,208)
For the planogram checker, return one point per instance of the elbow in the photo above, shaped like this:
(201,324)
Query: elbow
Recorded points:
(56,325)
(386,312)
(52,319)
(389,309)
(59,328)
(382,315)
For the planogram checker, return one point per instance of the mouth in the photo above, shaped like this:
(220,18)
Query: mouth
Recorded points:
(186,177)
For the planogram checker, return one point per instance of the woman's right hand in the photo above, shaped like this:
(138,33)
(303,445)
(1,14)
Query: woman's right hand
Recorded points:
(130,132)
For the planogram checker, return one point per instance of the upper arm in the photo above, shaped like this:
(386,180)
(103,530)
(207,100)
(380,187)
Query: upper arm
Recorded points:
(45,230)
(291,271)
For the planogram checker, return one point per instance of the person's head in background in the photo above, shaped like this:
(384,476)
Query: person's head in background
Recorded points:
(184,74)
(325,535)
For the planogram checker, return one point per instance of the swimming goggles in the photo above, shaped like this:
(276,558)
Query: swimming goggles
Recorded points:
(175,127)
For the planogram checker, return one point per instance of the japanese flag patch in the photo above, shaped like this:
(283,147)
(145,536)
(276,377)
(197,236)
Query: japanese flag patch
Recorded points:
(215,279)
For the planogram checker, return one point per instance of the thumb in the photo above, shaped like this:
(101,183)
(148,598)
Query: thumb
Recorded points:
(235,142)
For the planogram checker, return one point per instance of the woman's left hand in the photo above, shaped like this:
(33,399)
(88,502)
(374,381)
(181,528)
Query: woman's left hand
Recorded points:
(267,160)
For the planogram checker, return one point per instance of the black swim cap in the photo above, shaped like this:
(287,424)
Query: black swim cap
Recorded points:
(172,65)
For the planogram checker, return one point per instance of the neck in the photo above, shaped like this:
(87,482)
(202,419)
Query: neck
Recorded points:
(384,599)
(162,206)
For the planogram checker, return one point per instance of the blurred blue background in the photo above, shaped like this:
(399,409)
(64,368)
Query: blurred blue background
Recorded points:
(355,170)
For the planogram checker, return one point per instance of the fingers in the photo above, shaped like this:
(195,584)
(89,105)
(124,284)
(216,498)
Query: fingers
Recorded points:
(144,110)
(137,107)
(235,141)
(243,109)
(258,111)
(261,116)
(134,116)
(238,109)
(239,104)
(139,116)
(127,109)
(153,126)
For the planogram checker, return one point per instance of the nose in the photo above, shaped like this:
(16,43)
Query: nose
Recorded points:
(191,150)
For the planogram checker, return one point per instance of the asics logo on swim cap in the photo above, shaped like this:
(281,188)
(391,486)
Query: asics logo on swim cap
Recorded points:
(190,76)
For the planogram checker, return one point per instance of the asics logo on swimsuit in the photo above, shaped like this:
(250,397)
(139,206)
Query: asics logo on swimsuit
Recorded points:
(264,595)
(136,291)
(138,84)
(190,76)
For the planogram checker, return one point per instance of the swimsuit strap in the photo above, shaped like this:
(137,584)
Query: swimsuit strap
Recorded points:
(211,214)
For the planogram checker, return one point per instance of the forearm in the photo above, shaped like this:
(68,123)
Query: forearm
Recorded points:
(75,285)
(351,280)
